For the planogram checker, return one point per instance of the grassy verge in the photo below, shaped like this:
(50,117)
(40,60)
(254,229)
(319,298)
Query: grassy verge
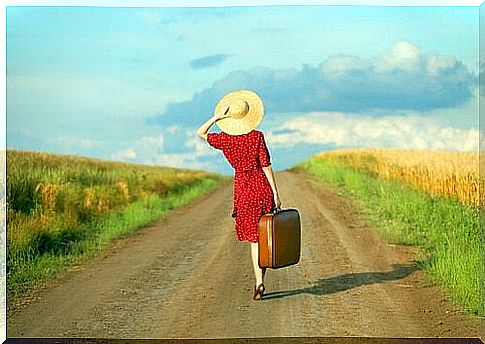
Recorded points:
(63,209)
(26,272)
(447,231)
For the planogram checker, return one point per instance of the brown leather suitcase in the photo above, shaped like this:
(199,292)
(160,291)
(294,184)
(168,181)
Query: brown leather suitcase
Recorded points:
(279,238)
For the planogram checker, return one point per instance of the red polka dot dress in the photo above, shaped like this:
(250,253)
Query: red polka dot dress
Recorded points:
(253,195)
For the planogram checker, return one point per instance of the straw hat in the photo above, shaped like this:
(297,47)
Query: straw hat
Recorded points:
(246,111)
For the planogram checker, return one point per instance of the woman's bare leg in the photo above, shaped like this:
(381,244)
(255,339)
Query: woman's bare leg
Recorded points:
(258,272)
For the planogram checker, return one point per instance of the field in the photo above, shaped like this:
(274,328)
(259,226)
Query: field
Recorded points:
(423,198)
(61,208)
(450,174)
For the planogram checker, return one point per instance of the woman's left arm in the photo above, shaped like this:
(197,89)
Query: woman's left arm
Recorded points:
(204,128)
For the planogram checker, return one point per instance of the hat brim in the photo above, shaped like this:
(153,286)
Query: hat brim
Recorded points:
(245,124)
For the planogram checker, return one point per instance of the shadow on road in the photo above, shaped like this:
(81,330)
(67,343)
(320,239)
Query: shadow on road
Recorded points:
(326,286)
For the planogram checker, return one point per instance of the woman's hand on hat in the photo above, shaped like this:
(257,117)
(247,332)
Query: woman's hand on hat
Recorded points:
(222,114)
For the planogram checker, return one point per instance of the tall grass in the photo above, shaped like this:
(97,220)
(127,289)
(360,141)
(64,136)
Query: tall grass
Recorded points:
(447,230)
(63,208)
(443,173)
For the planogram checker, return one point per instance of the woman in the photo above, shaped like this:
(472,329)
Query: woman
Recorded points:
(237,114)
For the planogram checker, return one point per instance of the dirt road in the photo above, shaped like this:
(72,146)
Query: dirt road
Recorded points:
(186,276)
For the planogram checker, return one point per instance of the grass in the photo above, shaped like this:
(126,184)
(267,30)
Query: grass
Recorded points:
(28,271)
(443,173)
(62,210)
(447,231)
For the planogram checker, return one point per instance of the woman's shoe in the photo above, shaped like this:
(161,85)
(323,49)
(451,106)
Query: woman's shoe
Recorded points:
(258,292)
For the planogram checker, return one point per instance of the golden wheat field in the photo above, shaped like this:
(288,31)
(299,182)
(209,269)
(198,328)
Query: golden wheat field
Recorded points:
(450,174)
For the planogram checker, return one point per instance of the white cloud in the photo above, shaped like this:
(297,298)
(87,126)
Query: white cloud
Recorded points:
(84,143)
(403,78)
(406,56)
(142,149)
(124,154)
(179,160)
(336,66)
(178,146)
(403,55)
(173,129)
(151,142)
(150,150)
(347,130)
(435,63)
(200,147)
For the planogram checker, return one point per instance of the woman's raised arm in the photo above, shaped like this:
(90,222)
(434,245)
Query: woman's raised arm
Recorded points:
(204,128)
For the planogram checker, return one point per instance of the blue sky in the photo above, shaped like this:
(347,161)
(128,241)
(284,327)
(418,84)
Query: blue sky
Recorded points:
(133,84)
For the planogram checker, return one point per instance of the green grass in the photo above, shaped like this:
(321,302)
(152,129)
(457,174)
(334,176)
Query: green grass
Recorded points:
(447,231)
(63,209)
(27,271)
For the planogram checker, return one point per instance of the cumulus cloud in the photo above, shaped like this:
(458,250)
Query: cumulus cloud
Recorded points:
(403,56)
(184,151)
(403,78)
(349,130)
(299,136)
(143,149)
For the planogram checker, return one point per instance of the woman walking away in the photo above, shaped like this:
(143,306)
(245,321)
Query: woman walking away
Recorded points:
(237,114)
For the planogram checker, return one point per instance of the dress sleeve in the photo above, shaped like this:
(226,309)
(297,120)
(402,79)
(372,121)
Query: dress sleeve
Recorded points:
(215,140)
(263,154)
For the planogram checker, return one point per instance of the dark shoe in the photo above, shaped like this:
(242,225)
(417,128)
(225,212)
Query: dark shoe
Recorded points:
(258,292)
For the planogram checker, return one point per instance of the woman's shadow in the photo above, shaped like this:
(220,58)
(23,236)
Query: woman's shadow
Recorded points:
(326,286)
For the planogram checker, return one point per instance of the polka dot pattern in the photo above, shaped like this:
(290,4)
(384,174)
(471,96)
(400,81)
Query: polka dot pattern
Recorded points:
(253,195)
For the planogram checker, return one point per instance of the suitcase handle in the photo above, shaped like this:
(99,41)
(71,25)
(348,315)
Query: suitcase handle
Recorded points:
(274,210)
